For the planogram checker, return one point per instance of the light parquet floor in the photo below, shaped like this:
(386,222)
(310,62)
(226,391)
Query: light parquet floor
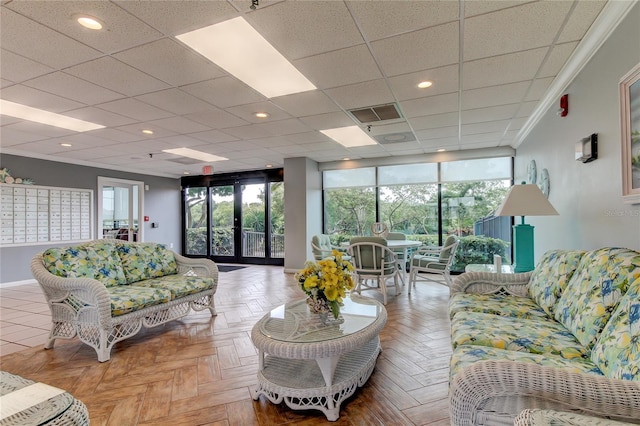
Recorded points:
(200,370)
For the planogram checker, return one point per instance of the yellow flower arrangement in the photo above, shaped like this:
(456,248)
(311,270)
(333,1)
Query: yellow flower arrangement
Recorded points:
(327,281)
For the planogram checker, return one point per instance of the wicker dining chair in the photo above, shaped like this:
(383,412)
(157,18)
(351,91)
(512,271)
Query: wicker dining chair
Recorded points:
(374,263)
(427,263)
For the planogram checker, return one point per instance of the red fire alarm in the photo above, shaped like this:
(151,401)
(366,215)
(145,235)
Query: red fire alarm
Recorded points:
(146,218)
(564,106)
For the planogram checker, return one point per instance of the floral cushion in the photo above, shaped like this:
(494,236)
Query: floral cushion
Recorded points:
(179,285)
(496,304)
(551,276)
(464,356)
(594,291)
(617,352)
(128,298)
(97,261)
(537,336)
(142,261)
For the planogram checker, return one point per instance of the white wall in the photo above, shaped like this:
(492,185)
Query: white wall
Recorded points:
(587,196)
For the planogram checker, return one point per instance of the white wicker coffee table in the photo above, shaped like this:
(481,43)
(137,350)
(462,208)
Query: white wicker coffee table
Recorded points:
(309,365)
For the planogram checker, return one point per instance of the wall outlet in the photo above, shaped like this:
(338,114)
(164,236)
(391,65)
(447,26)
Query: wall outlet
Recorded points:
(170,245)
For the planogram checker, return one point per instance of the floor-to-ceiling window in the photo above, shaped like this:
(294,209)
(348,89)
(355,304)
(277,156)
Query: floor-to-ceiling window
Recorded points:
(235,218)
(426,202)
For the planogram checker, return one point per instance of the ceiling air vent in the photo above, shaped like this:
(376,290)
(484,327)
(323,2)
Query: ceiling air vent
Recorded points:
(376,113)
(395,138)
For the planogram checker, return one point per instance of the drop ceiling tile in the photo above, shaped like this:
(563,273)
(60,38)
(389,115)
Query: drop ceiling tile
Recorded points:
(302,29)
(38,99)
(486,127)
(539,88)
(510,30)
(142,147)
(31,148)
(137,128)
(171,62)
(559,55)
(509,68)
(178,17)
(224,92)
(526,108)
(213,136)
(291,150)
(271,142)
(307,103)
(479,115)
(216,119)
(433,121)
(492,137)
(18,69)
(251,131)
(38,129)
(116,136)
(581,19)
(495,95)
(401,17)
(385,129)
(100,116)
(330,120)
(437,47)
(431,105)
(117,76)
(179,125)
(284,127)
(472,8)
(135,109)
(5,83)
(175,101)
(247,112)
(92,154)
(437,133)
(84,141)
(517,124)
(71,87)
(445,80)
(121,29)
(306,137)
(340,67)
(11,136)
(235,146)
(369,93)
(434,144)
(181,141)
(24,36)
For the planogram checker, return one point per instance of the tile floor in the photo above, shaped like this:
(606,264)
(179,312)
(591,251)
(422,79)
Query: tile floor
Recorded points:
(24,318)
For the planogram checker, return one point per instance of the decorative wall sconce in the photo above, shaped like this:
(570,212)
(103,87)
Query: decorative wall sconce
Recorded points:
(587,149)
(564,106)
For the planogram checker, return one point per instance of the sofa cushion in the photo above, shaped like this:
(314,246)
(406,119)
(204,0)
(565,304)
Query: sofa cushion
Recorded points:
(594,291)
(99,261)
(551,276)
(179,285)
(496,304)
(617,352)
(142,261)
(534,335)
(464,356)
(127,298)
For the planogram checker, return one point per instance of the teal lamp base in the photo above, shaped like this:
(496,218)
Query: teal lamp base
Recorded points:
(523,248)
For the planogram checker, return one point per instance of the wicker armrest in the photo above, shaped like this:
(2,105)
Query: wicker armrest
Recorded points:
(597,395)
(488,282)
(202,267)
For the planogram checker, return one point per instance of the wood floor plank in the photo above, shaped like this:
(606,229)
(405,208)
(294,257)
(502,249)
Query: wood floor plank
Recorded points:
(157,400)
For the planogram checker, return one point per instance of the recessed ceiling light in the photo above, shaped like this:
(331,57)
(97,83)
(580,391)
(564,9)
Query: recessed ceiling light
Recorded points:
(425,84)
(346,159)
(41,116)
(262,114)
(192,153)
(349,136)
(186,173)
(89,22)
(441,150)
(147,132)
(268,166)
(65,144)
(248,56)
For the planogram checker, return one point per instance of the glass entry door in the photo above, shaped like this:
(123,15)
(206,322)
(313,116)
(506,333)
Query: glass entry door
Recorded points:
(119,210)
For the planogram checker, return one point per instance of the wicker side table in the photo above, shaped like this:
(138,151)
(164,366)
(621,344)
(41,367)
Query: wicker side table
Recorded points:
(59,409)
(308,365)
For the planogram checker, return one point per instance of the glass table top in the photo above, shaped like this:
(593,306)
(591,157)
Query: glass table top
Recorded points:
(293,322)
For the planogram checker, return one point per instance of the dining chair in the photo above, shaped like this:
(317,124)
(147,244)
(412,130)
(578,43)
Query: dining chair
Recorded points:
(322,248)
(379,229)
(374,263)
(433,260)
(401,253)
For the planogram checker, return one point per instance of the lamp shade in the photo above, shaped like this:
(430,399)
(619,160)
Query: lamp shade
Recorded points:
(525,200)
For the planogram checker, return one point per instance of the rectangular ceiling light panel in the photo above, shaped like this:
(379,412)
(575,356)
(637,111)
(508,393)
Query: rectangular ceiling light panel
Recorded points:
(192,153)
(349,136)
(238,48)
(45,117)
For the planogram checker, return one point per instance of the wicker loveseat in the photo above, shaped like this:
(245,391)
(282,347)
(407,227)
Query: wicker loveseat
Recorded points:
(104,291)
(565,337)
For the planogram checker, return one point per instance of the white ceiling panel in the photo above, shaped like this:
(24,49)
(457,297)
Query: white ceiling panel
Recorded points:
(136,75)
(117,76)
(170,61)
(437,47)
(224,92)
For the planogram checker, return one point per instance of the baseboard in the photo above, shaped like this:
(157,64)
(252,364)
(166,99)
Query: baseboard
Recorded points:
(17,283)
(290,271)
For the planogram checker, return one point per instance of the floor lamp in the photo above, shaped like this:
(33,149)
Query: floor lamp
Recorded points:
(524,200)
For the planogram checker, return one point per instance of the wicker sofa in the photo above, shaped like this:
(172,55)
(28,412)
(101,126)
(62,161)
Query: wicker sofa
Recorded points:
(564,337)
(104,291)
